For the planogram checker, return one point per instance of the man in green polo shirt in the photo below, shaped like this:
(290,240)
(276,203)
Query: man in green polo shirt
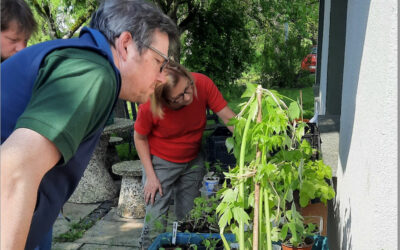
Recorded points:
(55,100)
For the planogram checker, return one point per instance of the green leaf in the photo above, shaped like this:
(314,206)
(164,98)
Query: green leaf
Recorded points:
(253,111)
(230,195)
(294,110)
(232,122)
(308,188)
(300,169)
(240,215)
(284,231)
(225,219)
(293,231)
(289,196)
(304,200)
(300,131)
(275,235)
(250,90)
(306,147)
(229,143)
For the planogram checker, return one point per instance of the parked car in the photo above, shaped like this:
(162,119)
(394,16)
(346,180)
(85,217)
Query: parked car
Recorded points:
(309,62)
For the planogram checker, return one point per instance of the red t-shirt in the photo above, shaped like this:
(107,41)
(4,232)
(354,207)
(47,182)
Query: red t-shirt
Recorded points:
(177,137)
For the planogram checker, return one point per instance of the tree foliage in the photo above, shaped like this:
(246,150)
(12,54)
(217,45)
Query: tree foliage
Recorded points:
(284,49)
(227,40)
(218,43)
(60,18)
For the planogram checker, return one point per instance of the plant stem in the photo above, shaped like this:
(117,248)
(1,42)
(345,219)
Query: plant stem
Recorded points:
(226,244)
(267,220)
(241,185)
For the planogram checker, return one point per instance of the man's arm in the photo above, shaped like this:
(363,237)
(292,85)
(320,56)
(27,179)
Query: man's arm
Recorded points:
(152,184)
(26,156)
(226,114)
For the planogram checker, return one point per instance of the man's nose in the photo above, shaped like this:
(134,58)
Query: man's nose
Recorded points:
(162,77)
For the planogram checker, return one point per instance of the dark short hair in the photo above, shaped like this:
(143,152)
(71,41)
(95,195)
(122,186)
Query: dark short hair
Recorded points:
(138,17)
(18,11)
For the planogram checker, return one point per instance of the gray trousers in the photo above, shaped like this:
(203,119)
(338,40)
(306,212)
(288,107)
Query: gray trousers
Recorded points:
(181,181)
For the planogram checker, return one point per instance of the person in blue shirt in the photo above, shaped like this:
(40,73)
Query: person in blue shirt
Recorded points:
(55,100)
(17,26)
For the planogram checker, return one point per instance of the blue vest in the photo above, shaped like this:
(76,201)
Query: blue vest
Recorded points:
(18,75)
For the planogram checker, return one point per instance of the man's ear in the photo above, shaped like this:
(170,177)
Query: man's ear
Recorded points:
(122,44)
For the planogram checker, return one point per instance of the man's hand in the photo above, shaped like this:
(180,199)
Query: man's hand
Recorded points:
(150,189)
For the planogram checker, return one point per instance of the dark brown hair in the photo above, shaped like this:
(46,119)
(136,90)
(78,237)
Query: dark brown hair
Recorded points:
(18,11)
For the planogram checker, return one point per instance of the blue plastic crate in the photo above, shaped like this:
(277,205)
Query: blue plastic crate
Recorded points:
(321,242)
(187,238)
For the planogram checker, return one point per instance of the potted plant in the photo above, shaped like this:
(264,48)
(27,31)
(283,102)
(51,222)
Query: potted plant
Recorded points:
(273,163)
(211,182)
(300,235)
(202,218)
(199,230)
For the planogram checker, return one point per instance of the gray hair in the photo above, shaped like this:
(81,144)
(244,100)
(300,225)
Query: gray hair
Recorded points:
(138,17)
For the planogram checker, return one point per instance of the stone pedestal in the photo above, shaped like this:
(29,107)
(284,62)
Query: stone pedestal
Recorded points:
(96,184)
(131,200)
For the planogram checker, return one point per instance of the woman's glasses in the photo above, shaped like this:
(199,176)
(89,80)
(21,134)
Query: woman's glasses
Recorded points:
(179,98)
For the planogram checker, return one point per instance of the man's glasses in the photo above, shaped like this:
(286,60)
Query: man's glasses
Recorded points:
(179,98)
(166,59)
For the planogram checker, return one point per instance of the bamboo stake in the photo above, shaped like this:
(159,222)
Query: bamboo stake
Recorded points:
(260,229)
(301,104)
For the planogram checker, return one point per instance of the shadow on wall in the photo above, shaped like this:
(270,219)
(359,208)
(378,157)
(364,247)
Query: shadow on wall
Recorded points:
(355,38)
(340,227)
(346,227)
(340,233)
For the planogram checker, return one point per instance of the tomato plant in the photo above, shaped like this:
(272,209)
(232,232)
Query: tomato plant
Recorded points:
(273,162)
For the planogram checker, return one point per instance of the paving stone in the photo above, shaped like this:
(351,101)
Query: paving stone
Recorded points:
(106,247)
(113,216)
(74,212)
(113,232)
(66,246)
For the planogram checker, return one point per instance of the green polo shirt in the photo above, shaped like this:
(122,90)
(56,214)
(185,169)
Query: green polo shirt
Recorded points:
(72,96)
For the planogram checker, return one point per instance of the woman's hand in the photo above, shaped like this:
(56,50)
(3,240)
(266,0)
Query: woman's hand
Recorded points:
(151,187)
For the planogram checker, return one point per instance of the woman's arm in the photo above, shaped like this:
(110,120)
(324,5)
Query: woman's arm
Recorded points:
(226,114)
(152,184)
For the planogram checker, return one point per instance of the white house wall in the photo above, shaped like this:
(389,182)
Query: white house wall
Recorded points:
(366,200)
(324,59)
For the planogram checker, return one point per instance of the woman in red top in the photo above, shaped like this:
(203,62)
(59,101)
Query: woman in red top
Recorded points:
(168,133)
